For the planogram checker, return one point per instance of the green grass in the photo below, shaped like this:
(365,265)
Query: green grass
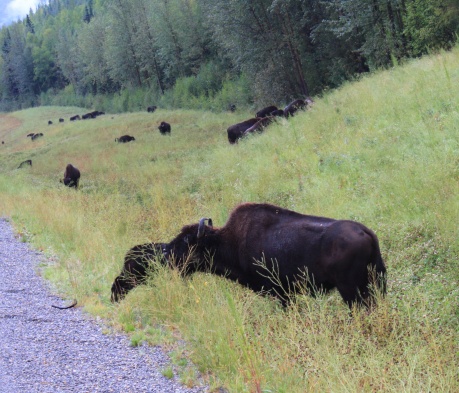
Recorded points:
(383,151)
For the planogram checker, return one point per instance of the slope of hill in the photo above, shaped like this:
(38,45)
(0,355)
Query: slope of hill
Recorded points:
(383,151)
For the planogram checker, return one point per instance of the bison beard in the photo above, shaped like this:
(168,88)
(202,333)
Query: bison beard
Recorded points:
(274,250)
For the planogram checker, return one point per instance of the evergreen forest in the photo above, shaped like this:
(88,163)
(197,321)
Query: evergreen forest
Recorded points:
(123,55)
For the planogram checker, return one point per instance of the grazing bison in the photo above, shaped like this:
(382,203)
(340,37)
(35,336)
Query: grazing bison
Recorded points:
(76,117)
(259,125)
(266,111)
(164,128)
(35,136)
(274,250)
(296,105)
(50,122)
(31,134)
(25,163)
(137,262)
(278,113)
(61,120)
(237,130)
(124,139)
(71,176)
(151,109)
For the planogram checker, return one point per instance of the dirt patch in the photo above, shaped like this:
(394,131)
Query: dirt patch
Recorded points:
(7,125)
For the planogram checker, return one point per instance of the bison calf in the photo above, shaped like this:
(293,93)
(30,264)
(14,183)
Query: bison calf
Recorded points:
(137,263)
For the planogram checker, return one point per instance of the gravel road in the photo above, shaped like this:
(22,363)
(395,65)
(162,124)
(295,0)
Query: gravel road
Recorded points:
(44,349)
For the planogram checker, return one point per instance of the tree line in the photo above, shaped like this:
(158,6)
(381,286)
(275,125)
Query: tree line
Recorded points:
(209,53)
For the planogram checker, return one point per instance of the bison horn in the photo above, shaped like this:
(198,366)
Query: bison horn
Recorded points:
(202,223)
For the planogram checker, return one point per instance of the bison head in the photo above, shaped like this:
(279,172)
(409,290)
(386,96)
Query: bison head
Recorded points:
(189,248)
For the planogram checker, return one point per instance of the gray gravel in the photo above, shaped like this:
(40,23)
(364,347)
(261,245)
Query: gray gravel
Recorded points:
(44,349)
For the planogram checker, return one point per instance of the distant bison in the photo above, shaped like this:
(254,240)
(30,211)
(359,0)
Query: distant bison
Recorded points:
(76,117)
(278,113)
(151,109)
(295,106)
(278,251)
(266,111)
(92,115)
(232,107)
(61,120)
(137,262)
(25,163)
(237,130)
(35,136)
(164,128)
(31,134)
(50,122)
(260,125)
(124,139)
(71,176)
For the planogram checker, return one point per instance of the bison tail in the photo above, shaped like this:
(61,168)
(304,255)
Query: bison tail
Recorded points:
(377,263)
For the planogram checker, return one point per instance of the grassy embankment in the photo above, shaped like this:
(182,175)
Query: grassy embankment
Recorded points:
(383,151)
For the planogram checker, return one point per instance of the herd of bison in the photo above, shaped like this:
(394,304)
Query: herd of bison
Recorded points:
(266,248)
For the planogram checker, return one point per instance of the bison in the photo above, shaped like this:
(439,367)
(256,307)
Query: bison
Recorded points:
(76,117)
(124,139)
(273,250)
(259,125)
(296,105)
(31,134)
(137,263)
(164,128)
(236,131)
(71,176)
(61,120)
(25,163)
(266,111)
(151,109)
(50,122)
(35,136)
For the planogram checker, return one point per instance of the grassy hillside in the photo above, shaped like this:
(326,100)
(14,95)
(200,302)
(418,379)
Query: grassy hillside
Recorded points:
(383,151)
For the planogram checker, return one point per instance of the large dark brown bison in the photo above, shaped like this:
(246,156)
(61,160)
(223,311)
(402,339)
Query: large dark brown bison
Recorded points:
(274,250)
(76,117)
(137,262)
(71,176)
(124,139)
(151,109)
(236,131)
(164,128)
(266,111)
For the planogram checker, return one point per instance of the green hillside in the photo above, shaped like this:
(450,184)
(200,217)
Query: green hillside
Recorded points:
(383,151)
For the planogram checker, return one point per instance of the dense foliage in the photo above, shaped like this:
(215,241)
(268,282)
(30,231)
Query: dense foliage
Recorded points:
(121,55)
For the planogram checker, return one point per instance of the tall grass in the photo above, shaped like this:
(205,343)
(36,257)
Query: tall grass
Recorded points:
(383,151)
